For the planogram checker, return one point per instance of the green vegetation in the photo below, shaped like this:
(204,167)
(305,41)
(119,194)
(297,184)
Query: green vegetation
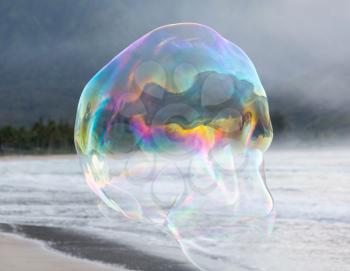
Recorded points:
(53,137)
(42,138)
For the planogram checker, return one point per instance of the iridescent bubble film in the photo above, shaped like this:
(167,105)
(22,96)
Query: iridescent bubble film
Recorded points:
(172,132)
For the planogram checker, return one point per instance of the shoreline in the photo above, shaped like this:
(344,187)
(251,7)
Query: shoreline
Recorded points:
(18,253)
(33,156)
(276,146)
(91,248)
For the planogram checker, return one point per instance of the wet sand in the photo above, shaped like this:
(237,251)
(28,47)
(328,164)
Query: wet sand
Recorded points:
(18,253)
(80,244)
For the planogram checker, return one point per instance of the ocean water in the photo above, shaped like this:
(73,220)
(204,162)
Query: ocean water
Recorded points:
(311,190)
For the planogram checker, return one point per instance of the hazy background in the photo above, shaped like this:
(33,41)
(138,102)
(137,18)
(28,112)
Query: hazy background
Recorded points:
(50,49)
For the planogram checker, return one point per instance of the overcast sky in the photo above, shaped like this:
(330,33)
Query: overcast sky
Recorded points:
(288,40)
(285,39)
(50,49)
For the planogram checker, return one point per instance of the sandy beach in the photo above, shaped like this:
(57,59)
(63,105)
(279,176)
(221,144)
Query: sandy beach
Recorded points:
(18,253)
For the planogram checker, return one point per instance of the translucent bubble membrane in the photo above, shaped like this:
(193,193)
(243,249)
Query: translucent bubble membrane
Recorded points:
(172,131)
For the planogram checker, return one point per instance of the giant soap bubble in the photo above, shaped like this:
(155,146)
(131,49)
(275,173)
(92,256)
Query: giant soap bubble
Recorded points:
(172,132)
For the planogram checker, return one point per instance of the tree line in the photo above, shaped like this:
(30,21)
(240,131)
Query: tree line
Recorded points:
(58,137)
(42,137)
